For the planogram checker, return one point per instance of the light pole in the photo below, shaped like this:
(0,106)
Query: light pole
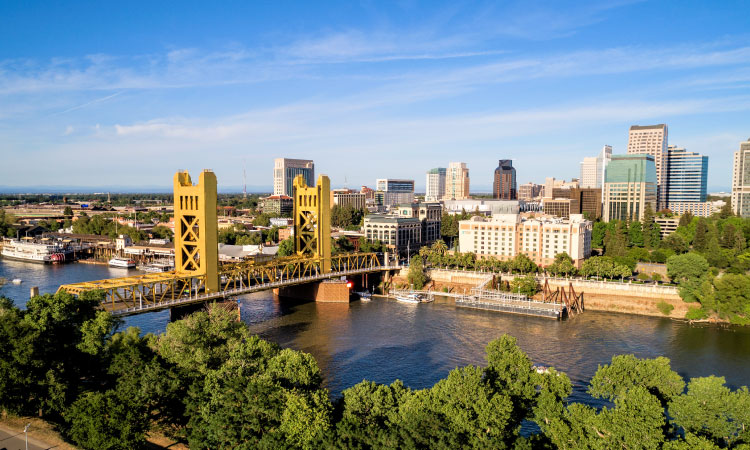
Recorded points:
(26,434)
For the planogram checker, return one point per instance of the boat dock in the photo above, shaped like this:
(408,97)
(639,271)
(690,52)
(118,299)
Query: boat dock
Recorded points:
(511,303)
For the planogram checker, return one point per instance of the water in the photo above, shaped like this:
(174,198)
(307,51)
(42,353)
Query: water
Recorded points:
(383,340)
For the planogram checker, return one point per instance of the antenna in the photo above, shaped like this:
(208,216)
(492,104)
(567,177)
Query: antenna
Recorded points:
(244,180)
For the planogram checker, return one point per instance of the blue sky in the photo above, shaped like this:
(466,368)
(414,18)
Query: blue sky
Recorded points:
(124,94)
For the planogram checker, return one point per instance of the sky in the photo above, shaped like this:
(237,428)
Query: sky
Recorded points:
(123,94)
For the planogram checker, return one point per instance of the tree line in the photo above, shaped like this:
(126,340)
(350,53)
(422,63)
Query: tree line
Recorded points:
(208,382)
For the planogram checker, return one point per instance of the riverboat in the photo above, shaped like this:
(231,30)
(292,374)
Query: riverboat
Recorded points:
(157,267)
(122,263)
(44,251)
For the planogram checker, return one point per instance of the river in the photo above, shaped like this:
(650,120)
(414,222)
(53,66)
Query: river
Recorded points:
(383,340)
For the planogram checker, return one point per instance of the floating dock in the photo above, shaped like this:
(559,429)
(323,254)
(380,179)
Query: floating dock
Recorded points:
(511,303)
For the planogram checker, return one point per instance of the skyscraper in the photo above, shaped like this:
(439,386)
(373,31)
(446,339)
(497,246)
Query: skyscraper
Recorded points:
(687,173)
(629,187)
(652,140)
(390,191)
(592,168)
(456,181)
(435,187)
(741,180)
(504,184)
(284,171)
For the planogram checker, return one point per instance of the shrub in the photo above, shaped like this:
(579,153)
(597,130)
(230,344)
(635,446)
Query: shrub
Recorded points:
(445,288)
(696,314)
(665,308)
(655,276)
(643,276)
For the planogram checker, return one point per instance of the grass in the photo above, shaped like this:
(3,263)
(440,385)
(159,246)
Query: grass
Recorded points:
(665,308)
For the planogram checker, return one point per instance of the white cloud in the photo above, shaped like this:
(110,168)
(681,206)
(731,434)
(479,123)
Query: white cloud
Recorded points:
(68,130)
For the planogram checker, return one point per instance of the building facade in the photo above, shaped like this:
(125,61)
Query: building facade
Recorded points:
(429,214)
(484,207)
(456,181)
(435,184)
(592,168)
(280,205)
(504,182)
(347,197)
(285,170)
(652,140)
(552,186)
(687,175)
(506,235)
(530,191)
(741,180)
(390,191)
(558,207)
(400,234)
(629,187)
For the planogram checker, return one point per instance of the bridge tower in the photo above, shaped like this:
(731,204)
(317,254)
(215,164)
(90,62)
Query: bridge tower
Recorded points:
(196,232)
(312,220)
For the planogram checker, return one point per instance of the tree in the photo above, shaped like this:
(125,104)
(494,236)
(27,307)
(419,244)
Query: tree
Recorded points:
(686,219)
(262,220)
(726,210)
(686,267)
(68,212)
(525,285)
(597,234)
(700,241)
(417,277)
(710,410)
(286,247)
(563,265)
(651,229)
(733,295)
(615,240)
(635,234)
(626,371)
(523,264)
(676,243)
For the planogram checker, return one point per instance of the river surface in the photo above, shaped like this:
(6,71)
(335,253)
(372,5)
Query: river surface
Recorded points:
(383,340)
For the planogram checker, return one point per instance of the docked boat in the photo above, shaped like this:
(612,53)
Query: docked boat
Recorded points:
(157,267)
(124,263)
(408,298)
(364,295)
(44,251)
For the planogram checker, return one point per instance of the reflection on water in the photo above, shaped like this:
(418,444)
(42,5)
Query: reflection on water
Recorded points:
(383,340)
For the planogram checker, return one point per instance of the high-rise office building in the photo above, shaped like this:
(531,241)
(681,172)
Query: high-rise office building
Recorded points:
(390,191)
(435,187)
(285,170)
(504,184)
(456,181)
(592,168)
(554,188)
(652,140)
(741,180)
(629,187)
(529,191)
(687,173)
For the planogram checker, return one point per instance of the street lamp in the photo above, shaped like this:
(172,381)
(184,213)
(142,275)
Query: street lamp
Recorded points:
(26,434)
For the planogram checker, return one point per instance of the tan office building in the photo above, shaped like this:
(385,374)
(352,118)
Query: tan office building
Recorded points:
(741,180)
(652,140)
(456,181)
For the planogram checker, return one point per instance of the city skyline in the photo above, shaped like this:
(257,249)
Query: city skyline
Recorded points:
(406,86)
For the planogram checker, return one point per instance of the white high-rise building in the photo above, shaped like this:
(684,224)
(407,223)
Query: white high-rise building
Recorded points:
(653,140)
(593,167)
(284,171)
(741,180)
(435,184)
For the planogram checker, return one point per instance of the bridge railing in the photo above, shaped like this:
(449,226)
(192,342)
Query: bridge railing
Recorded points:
(154,289)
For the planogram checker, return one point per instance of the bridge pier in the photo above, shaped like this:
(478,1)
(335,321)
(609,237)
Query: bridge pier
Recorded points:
(331,291)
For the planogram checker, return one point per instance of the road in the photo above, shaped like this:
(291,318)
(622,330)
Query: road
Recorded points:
(12,440)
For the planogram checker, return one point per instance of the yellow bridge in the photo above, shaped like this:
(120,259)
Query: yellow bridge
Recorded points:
(198,277)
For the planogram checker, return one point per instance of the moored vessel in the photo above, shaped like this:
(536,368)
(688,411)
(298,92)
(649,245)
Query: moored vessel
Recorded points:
(43,251)
(122,263)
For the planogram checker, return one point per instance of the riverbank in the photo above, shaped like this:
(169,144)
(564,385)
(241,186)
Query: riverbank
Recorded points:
(625,298)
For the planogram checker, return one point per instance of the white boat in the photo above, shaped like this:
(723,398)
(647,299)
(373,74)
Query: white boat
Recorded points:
(364,295)
(16,281)
(408,298)
(27,249)
(157,267)
(122,262)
